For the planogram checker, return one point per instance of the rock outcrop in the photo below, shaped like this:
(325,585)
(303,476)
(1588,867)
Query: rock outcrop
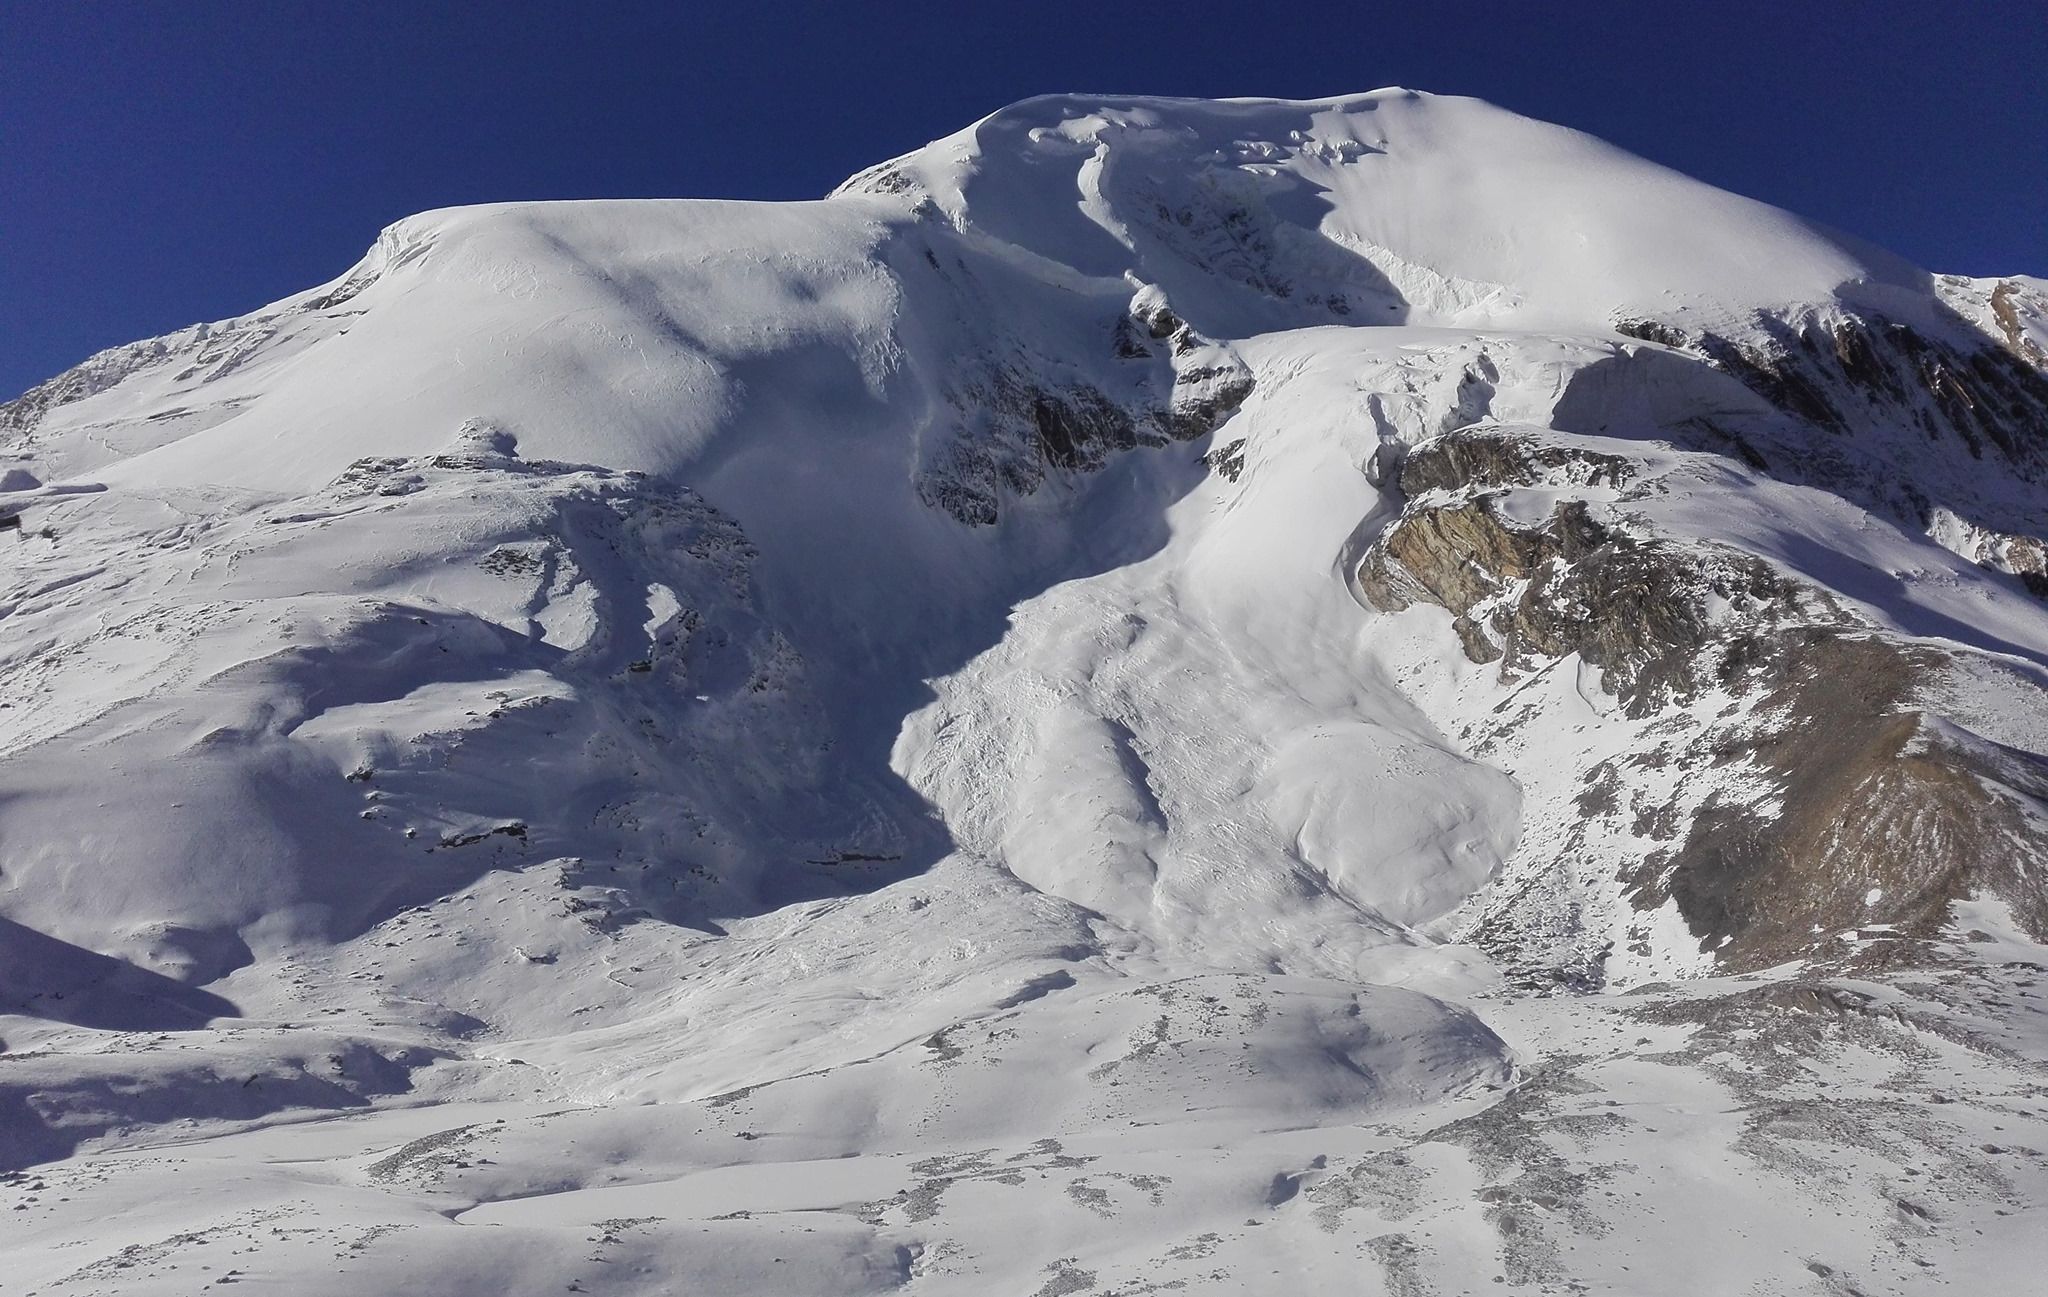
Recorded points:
(1863,805)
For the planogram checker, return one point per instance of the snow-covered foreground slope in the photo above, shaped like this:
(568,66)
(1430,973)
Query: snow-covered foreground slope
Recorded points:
(1158,696)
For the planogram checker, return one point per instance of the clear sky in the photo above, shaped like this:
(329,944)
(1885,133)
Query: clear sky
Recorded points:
(162,163)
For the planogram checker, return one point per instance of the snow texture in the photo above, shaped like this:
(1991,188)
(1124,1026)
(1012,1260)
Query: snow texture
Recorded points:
(945,740)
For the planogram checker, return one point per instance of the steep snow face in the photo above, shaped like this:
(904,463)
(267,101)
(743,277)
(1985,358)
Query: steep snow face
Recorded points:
(655,312)
(1204,723)
(1150,664)
(1389,207)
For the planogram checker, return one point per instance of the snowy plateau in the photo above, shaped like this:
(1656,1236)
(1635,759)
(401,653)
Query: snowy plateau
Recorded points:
(1365,696)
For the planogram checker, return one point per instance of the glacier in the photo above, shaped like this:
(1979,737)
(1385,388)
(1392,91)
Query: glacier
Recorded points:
(1365,695)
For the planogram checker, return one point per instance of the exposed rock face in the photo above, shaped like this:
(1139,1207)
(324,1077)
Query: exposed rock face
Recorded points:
(1227,460)
(2025,557)
(1875,807)
(1494,456)
(1870,809)
(1844,372)
(2013,322)
(1881,389)
(1016,405)
(1885,814)
(1029,430)
(1634,607)
(19,416)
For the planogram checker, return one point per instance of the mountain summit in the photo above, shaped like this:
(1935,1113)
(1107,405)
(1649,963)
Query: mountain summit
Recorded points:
(1360,694)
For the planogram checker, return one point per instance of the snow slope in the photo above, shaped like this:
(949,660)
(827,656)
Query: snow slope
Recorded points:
(1356,695)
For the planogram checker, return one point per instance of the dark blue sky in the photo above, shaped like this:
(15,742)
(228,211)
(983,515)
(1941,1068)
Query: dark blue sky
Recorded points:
(166,163)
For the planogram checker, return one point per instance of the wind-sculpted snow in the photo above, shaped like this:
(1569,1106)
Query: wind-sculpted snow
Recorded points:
(1157,696)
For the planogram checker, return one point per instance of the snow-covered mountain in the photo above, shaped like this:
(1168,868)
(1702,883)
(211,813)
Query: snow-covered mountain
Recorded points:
(1361,696)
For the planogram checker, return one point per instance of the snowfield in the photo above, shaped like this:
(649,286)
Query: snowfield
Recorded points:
(1359,696)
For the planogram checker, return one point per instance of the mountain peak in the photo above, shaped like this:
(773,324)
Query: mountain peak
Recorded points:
(1366,681)
(1469,214)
